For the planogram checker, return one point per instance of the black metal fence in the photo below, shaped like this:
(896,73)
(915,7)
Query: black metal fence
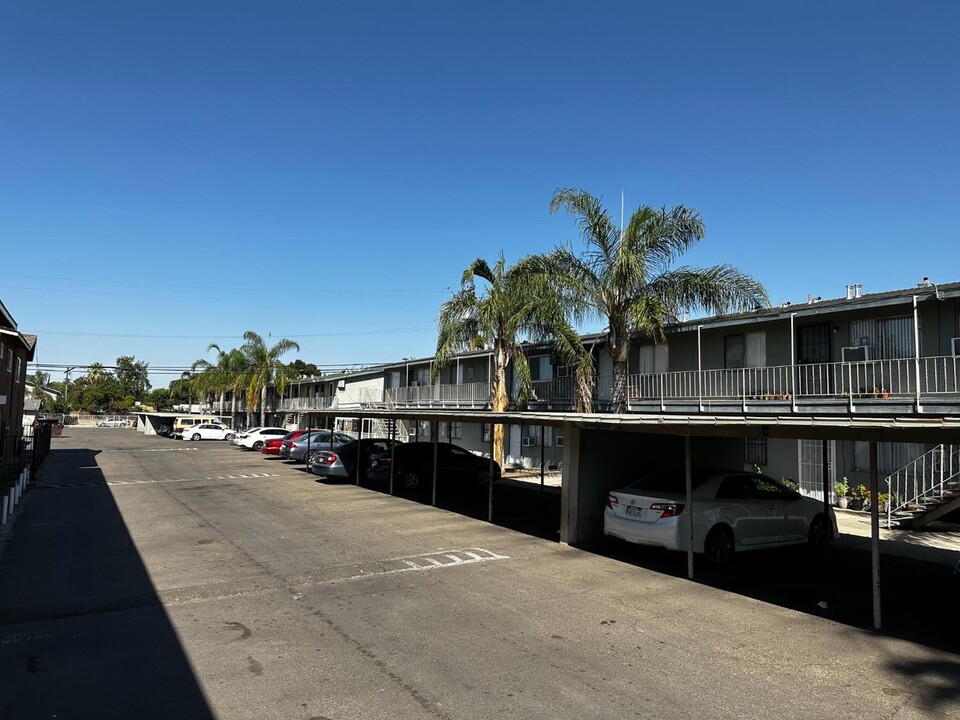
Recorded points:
(22,447)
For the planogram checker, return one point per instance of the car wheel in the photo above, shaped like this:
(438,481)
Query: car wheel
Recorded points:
(410,480)
(257,445)
(719,546)
(229,436)
(820,534)
(195,437)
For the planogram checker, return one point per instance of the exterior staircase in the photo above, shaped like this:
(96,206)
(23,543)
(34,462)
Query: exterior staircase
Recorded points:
(926,489)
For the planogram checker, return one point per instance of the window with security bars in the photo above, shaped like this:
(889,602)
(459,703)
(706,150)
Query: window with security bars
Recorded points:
(892,337)
(755,451)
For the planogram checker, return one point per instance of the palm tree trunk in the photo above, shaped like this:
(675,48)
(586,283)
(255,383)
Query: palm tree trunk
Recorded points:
(499,403)
(618,393)
(263,406)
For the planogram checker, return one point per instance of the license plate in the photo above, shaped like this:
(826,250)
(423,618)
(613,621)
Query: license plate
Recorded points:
(634,511)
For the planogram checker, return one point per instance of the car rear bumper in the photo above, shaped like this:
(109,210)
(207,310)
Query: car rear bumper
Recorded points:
(662,533)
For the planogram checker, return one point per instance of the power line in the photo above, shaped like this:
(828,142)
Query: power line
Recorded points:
(289,336)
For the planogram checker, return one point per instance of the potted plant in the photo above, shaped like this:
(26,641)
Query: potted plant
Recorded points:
(841,489)
(882,500)
(860,495)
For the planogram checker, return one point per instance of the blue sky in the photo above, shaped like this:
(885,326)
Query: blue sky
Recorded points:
(173,174)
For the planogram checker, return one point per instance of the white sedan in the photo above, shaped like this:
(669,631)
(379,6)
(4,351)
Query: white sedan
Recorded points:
(254,438)
(208,431)
(733,511)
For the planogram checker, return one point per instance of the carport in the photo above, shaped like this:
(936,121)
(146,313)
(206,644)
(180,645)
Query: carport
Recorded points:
(149,423)
(589,438)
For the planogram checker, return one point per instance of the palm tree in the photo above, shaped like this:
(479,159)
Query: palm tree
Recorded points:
(96,372)
(512,305)
(626,278)
(223,375)
(263,368)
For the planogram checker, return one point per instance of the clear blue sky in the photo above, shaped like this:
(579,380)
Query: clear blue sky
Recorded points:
(175,173)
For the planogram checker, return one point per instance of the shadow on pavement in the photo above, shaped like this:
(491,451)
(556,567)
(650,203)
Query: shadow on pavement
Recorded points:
(82,630)
(837,586)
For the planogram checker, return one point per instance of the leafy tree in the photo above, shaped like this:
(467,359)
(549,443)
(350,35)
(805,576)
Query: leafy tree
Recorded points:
(509,307)
(304,369)
(263,368)
(106,394)
(627,278)
(160,399)
(227,373)
(133,376)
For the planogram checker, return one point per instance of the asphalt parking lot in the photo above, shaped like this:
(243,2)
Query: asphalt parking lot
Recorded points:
(147,578)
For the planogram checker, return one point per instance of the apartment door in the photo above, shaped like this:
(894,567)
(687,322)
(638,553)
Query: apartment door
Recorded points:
(814,354)
(811,468)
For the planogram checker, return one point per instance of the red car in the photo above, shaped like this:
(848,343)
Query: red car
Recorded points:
(272,447)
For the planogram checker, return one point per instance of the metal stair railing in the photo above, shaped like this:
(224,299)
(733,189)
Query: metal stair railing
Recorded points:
(923,479)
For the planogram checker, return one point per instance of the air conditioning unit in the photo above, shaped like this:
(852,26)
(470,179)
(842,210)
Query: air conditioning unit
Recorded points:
(563,371)
(558,440)
(412,430)
(528,442)
(862,353)
(955,346)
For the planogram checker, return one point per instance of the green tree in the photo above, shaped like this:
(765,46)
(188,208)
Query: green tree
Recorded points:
(133,376)
(509,307)
(626,277)
(304,369)
(263,367)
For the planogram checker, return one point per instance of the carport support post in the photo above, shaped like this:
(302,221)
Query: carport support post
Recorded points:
(875,533)
(436,452)
(826,478)
(359,441)
(688,471)
(543,445)
(490,483)
(393,436)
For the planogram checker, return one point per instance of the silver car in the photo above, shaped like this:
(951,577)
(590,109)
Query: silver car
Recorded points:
(297,449)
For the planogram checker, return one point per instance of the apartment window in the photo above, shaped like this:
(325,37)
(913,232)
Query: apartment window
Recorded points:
(485,432)
(423,376)
(540,368)
(443,430)
(755,451)
(10,361)
(456,430)
(892,337)
(654,359)
(536,435)
(16,375)
(745,351)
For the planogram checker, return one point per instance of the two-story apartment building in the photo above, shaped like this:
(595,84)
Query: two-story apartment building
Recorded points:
(885,354)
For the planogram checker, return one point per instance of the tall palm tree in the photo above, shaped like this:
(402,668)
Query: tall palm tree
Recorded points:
(626,276)
(223,375)
(263,368)
(511,306)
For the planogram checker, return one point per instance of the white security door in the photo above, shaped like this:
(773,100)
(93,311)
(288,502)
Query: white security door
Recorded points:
(811,468)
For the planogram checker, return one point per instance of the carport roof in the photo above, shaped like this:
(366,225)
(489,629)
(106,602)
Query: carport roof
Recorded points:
(930,428)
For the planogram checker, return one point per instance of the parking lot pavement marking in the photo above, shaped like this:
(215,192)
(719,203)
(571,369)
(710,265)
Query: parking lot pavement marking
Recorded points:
(181,449)
(428,561)
(64,486)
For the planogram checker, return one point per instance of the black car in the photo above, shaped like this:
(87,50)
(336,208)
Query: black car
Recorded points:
(414,466)
(342,462)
